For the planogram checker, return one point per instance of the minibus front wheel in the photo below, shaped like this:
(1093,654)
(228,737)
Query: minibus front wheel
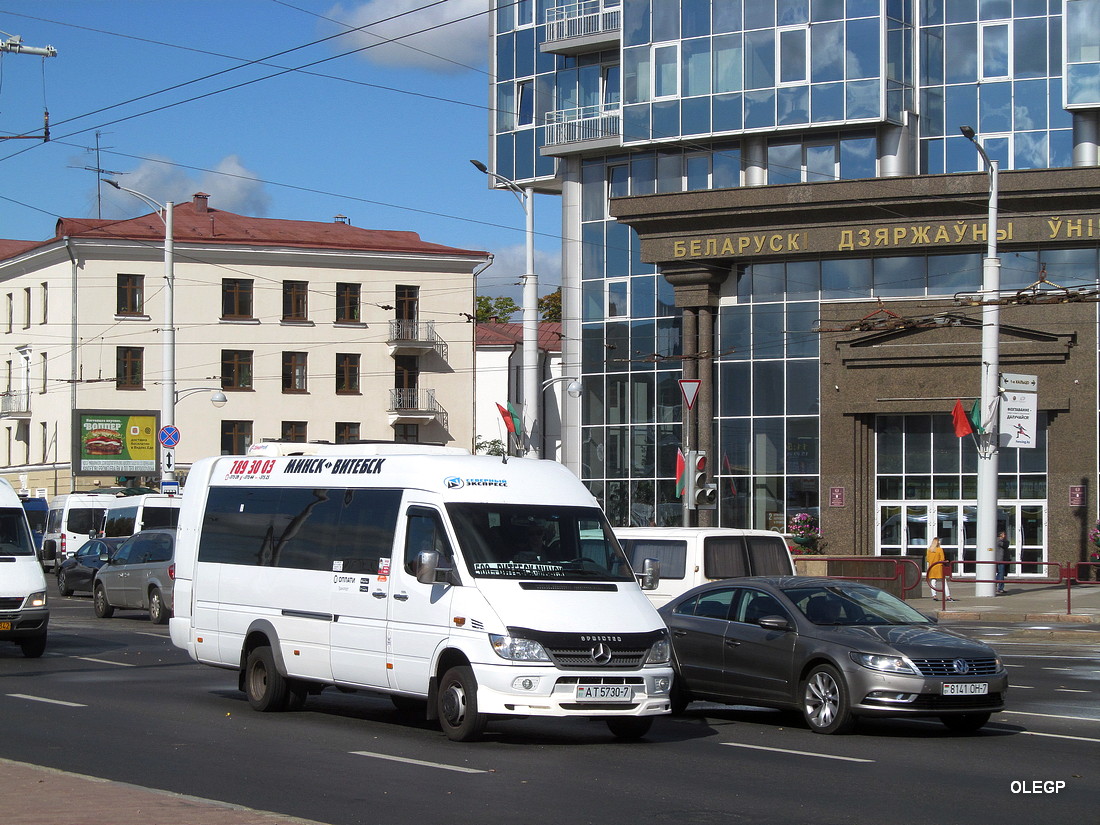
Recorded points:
(456,702)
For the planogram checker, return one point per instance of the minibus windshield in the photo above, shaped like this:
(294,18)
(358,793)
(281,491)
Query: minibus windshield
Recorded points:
(14,538)
(523,541)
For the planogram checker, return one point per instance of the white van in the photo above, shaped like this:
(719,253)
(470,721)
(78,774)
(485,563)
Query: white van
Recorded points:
(690,556)
(73,519)
(24,613)
(464,586)
(127,515)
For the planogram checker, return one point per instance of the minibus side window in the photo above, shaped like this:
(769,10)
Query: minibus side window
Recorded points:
(424,531)
(120,522)
(769,556)
(724,558)
(154,517)
(672,555)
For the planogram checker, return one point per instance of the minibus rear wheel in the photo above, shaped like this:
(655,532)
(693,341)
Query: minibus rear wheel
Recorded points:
(265,687)
(456,704)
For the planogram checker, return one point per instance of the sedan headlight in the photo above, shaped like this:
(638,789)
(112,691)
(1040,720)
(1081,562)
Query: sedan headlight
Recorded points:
(517,650)
(37,599)
(885,663)
(659,653)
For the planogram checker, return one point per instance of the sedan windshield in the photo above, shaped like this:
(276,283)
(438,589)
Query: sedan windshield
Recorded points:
(523,541)
(851,604)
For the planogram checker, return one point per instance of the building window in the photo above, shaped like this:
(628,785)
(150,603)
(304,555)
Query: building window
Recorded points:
(792,58)
(11,311)
(44,431)
(525,103)
(45,302)
(236,369)
(347,373)
(995,47)
(130,295)
(129,368)
(26,307)
(295,307)
(236,298)
(406,433)
(294,431)
(347,303)
(617,298)
(666,70)
(44,360)
(347,432)
(294,372)
(236,437)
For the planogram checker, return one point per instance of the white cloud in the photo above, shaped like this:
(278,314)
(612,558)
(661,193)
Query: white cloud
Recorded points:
(504,276)
(455,33)
(232,188)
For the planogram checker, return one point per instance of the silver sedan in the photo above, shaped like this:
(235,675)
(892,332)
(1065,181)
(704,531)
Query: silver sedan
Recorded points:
(832,649)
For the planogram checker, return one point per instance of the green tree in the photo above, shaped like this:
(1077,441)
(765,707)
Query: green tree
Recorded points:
(493,447)
(500,309)
(550,306)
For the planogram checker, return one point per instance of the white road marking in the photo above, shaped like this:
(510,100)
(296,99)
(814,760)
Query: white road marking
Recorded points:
(407,761)
(103,661)
(1070,690)
(1021,687)
(1059,736)
(1050,716)
(154,635)
(796,753)
(47,701)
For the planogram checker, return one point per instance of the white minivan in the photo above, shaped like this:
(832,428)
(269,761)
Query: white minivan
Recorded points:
(127,515)
(691,556)
(73,519)
(464,586)
(24,612)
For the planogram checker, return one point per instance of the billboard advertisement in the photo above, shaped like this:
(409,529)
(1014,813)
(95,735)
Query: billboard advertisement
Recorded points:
(115,442)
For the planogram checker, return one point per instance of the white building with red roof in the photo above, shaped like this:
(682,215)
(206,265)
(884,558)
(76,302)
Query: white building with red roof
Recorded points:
(313,332)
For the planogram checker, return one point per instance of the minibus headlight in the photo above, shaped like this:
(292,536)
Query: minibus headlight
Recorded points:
(659,653)
(37,599)
(518,650)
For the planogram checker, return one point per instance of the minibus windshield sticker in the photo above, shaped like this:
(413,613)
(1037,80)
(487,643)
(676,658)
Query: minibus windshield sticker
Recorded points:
(515,569)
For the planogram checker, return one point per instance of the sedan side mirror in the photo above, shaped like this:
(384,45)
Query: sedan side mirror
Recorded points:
(651,574)
(775,623)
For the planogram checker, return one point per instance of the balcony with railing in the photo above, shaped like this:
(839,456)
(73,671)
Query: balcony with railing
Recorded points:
(15,404)
(415,338)
(586,26)
(415,406)
(595,126)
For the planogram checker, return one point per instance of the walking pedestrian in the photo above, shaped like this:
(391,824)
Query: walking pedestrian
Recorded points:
(1004,555)
(937,571)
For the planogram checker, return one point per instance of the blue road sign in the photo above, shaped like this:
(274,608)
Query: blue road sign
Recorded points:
(168,436)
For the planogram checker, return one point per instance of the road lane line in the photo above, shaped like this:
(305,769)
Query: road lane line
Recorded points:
(1059,736)
(796,753)
(407,761)
(103,661)
(1070,690)
(47,701)
(1050,716)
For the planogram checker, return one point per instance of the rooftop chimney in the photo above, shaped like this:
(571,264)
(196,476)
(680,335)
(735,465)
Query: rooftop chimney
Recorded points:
(202,201)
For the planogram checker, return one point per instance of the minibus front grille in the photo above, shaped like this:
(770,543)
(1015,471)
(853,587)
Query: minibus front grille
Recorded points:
(11,602)
(574,657)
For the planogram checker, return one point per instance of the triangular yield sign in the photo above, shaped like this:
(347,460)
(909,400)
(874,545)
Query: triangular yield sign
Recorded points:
(690,389)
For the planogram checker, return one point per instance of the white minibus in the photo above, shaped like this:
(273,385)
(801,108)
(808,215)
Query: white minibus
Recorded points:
(466,586)
(127,515)
(691,556)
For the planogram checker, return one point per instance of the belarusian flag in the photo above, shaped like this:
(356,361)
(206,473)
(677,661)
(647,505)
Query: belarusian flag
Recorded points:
(511,418)
(961,422)
(681,473)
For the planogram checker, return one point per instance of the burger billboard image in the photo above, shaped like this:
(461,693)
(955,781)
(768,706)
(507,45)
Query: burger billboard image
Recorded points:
(114,442)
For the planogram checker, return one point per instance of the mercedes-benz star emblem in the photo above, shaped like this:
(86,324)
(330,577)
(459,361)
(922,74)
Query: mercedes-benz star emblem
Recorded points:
(601,654)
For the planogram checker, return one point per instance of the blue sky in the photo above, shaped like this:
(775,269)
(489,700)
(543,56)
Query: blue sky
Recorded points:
(383,136)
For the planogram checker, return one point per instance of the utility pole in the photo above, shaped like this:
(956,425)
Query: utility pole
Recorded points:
(14,44)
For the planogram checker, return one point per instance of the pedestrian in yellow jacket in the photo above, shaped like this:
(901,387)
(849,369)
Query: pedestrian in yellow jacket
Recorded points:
(937,573)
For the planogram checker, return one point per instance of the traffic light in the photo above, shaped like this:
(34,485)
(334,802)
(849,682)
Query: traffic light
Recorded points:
(701,491)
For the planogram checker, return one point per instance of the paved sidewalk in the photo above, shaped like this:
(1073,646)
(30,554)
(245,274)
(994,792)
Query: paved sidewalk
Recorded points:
(33,795)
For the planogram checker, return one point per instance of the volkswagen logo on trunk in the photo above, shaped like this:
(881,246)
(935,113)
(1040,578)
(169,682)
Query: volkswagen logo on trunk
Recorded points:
(601,654)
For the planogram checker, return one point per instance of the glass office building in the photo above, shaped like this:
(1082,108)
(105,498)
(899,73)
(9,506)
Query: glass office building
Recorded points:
(741,180)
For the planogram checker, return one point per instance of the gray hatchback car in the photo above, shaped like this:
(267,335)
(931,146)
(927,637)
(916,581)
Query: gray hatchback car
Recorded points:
(139,575)
(832,649)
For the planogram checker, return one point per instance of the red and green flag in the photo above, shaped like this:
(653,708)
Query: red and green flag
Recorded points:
(681,473)
(511,418)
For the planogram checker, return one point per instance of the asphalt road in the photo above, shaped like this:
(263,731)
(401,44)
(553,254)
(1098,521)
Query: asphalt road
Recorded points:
(113,699)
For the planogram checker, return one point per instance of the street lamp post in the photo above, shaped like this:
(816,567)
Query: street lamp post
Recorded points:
(525,196)
(989,438)
(168,387)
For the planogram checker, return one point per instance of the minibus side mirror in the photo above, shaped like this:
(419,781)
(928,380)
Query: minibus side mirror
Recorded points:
(427,567)
(651,574)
